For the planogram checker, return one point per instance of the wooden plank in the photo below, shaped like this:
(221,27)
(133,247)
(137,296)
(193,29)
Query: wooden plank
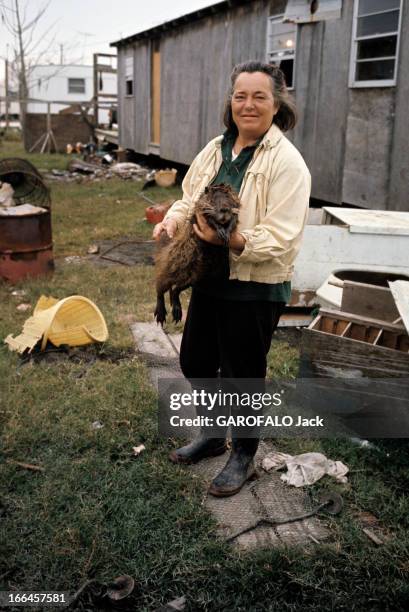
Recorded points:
(337,314)
(400,292)
(325,352)
(316,323)
(346,330)
(322,101)
(368,142)
(369,221)
(368,301)
(155,93)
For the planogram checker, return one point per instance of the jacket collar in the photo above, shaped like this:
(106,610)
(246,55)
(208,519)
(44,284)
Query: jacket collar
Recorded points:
(270,140)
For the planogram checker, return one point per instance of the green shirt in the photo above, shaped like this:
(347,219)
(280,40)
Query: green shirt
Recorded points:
(232,173)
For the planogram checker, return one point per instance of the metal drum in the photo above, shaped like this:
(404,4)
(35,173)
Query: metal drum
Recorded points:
(26,247)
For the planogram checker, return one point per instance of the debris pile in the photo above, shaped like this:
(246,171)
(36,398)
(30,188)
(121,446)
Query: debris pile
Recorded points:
(104,168)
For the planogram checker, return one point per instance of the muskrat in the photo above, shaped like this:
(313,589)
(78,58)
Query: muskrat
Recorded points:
(187,259)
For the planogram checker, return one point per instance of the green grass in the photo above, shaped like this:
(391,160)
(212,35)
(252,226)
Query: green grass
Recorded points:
(96,512)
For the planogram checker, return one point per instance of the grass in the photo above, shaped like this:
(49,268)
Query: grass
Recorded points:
(95,512)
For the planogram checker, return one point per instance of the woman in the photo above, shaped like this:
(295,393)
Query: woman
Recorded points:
(229,324)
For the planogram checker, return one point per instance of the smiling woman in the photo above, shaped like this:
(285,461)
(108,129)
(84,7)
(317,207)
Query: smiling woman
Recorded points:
(230,323)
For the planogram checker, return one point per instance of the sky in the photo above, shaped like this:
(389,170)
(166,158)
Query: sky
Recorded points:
(80,28)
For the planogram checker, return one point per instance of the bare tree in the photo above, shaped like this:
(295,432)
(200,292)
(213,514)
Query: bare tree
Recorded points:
(29,46)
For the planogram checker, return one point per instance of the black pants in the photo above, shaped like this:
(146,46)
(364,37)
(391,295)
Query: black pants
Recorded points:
(227,335)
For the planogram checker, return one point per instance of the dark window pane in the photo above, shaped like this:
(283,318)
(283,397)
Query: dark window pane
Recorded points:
(375,71)
(378,24)
(129,88)
(377,47)
(287,66)
(373,6)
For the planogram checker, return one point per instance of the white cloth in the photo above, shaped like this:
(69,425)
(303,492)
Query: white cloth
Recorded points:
(305,469)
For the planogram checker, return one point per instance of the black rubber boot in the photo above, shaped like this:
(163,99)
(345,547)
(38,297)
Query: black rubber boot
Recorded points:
(198,449)
(239,468)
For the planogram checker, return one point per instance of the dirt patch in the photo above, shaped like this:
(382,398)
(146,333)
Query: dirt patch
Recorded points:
(79,355)
(122,251)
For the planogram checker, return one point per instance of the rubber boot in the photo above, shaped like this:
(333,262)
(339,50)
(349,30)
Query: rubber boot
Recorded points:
(239,468)
(198,449)
(211,441)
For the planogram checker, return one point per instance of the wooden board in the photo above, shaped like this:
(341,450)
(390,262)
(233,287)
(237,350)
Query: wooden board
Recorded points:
(368,301)
(155,93)
(400,292)
(337,315)
(324,354)
(368,221)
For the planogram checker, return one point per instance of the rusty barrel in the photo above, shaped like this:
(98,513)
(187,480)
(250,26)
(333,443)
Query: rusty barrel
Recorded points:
(26,247)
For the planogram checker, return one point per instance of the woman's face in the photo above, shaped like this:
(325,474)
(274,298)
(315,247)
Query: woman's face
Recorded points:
(253,106)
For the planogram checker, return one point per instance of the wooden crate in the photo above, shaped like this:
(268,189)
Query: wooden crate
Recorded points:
(337,343)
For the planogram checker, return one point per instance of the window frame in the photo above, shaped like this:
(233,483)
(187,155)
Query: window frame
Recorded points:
(353,83)
(76,79)
(279,19)
(129,72)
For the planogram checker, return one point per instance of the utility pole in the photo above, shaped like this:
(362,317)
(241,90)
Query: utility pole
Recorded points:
(23,89)
(6,84)
(95,74)
(61,54)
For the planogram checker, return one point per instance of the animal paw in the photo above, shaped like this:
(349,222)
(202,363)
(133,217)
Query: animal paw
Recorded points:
(177,313)
(160,314)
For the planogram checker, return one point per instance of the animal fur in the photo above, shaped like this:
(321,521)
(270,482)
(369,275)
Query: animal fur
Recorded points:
(186,259)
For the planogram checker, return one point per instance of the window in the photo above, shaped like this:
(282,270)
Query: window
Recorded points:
(129,75)
(311,11)
(76,86)
(281,45)
(375,43)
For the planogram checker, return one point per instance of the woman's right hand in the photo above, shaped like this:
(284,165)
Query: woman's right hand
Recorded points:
(169,226)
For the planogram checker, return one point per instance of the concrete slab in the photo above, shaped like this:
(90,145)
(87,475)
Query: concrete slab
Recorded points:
(158,351)
(267,497)
(150,338)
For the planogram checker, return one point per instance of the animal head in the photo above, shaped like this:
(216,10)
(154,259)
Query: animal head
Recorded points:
(220,205)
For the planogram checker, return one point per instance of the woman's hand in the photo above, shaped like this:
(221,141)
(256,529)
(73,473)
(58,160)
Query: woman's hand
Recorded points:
(168,225)
(208,234)
(205,232)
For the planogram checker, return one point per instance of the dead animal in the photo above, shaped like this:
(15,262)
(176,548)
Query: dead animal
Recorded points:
(186,259)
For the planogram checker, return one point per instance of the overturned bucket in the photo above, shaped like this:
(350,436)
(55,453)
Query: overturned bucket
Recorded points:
(72,321)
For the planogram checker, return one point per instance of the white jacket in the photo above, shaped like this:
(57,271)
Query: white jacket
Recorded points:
(274,199)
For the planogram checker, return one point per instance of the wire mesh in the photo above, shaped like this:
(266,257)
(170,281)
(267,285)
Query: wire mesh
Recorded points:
(27,182)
